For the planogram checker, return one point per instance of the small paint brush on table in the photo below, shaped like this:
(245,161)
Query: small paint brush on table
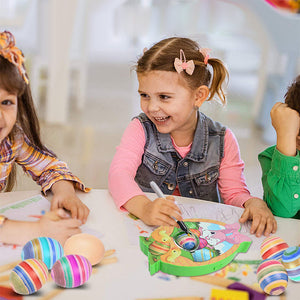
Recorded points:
(160,194)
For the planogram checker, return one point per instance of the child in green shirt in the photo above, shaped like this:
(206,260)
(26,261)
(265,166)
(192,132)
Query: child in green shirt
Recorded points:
(281,163)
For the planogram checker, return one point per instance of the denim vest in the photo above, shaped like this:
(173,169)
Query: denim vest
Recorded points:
(196,175)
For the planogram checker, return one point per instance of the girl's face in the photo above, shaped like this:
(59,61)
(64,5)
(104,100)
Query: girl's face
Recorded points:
(168,103)
(8,113)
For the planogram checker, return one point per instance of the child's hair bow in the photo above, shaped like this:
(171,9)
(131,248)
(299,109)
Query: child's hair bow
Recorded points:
(180,65)
(205,53)
(13,54)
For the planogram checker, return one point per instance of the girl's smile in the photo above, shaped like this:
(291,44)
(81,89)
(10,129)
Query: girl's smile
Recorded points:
(169,104)
(8,113)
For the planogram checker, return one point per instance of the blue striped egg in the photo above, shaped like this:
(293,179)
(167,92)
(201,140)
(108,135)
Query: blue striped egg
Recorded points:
(202,255)
(272,277)
(28,276)
(186,241)
(46,249)
(291,261)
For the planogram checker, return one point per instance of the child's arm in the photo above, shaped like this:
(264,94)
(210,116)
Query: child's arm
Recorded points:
(234,191)
(48,171)
(286,122)
(280,180)
(20,232)
(262,218)
(126,192)
(157,212)
(64,196)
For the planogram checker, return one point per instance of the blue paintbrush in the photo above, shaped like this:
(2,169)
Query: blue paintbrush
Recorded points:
(160,194)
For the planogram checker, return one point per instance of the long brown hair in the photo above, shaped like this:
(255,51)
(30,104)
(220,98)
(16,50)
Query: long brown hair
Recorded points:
(161,56)
(12,81)
(292,96)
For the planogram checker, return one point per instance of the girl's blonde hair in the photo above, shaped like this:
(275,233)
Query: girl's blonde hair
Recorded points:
(12,81)
(161,56)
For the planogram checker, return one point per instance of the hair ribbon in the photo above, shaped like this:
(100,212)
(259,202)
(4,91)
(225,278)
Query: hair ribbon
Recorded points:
(181,64)
(205,53)
(13,54)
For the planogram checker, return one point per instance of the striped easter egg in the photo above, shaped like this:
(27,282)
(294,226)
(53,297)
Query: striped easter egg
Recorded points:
(71,271)
(202,255)
(291,261)
(273,247)
(186,241)
(272,277)
(44,248)
(157,248)
(28,276)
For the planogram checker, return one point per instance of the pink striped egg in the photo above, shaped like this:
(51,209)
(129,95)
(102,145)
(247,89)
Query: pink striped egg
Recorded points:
(71,271)
(28,276)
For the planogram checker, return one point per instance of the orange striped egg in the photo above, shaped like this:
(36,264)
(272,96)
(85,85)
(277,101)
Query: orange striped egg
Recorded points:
(28,276)
(273,247)
(157,248)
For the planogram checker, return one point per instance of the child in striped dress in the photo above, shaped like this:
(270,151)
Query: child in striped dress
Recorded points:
(20,144)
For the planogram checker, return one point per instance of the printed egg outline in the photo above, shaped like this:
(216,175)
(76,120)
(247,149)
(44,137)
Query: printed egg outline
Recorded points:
(46,249)
(272,277)
(87,245)
(71,271)
(28,276)
(273,247)
(291,262)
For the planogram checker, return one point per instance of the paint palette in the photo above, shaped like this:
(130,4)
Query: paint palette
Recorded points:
(211,246)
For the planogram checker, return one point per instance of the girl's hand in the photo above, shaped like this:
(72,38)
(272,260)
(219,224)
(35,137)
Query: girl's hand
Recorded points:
(160,212)
(286,122)
(262,218)
(58,225)
(64,196)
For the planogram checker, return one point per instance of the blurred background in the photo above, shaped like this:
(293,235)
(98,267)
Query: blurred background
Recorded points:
(80,54)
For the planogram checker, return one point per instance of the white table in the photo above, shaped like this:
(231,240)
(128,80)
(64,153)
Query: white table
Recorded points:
(129,278)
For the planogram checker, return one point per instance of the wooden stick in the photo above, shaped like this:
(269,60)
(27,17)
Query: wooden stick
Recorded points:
(9,266)
(52,294)
(109,260)
(173,298)
(109,252)
(4,278)
(221,281)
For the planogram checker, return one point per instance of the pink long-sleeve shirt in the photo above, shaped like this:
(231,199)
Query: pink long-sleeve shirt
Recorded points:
(128,157)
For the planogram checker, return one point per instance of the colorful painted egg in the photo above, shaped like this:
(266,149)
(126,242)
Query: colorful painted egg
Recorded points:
(272,277)
(28,276)
(203,255)
(44,248)
(291,261)
(71,271)
(273,247)
(157,248)
(186,241)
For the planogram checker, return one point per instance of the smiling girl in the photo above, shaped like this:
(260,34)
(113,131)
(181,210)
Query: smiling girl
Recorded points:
(20,144)
(172,143)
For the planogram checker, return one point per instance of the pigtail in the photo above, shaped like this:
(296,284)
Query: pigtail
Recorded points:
(220,75)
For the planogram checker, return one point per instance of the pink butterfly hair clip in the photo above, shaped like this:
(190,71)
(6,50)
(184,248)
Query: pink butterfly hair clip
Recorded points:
(205,53)
(181,64)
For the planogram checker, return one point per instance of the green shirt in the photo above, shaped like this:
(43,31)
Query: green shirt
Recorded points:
(281,182)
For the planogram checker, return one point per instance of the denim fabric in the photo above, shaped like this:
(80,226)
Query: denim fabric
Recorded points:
(196,175)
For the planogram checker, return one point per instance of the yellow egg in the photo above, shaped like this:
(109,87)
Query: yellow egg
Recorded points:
(86,245)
